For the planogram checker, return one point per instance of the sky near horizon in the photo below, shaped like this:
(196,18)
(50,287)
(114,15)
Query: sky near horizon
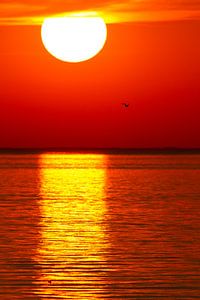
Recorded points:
(151,60)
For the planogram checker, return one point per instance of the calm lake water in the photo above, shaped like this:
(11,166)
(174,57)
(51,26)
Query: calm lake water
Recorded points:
(94,226)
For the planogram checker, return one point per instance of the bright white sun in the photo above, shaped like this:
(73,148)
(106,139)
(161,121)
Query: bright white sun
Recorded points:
(74,39)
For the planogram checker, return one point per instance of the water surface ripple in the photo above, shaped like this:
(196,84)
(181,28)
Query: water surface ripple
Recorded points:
(94,226)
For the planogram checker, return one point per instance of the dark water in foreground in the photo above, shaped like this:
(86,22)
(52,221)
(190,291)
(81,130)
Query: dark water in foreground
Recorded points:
(78,226)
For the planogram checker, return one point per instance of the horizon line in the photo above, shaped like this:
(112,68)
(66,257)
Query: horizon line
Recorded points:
(99,150)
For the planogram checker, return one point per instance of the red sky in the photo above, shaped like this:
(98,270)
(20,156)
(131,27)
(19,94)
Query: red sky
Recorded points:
(153,63)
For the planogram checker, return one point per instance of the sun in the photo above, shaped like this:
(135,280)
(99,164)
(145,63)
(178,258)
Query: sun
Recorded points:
(74,39)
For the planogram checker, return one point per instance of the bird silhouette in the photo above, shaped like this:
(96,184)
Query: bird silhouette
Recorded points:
(125,104)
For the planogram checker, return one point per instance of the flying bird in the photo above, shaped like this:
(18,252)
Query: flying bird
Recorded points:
(125,104)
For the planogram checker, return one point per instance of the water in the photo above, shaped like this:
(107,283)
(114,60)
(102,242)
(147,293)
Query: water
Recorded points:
(87,226)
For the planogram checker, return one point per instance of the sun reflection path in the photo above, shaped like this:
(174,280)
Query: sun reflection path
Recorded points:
(73,227)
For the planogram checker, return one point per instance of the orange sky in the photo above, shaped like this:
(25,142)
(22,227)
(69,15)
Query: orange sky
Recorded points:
(153,65)
(33,11)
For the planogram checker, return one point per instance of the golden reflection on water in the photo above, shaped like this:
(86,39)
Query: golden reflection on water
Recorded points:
(73,240)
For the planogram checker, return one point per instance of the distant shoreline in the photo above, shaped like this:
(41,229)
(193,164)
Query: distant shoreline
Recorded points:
(127,151)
